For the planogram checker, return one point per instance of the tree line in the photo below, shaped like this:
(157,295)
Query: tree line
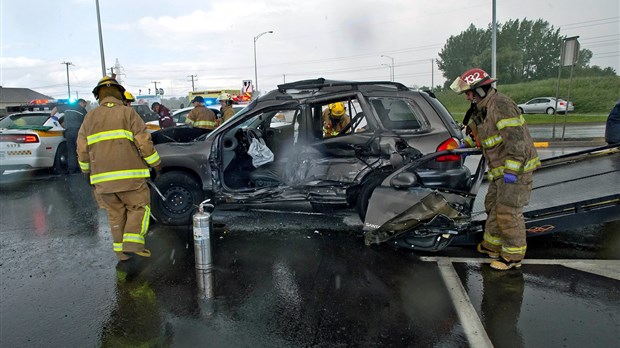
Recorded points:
(526,51)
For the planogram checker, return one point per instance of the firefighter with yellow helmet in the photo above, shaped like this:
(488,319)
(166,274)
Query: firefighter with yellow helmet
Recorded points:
(226,108)
(335,119)
(116,151)
(509,150)
(128,98)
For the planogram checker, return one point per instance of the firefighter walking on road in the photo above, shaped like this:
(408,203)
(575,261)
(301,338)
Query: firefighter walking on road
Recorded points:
(116,151)
(509,150)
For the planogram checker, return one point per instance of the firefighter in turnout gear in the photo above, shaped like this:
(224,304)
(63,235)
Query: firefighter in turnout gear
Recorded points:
(334,119)
(226,108)
(116,151)
(509,150)
(201,116)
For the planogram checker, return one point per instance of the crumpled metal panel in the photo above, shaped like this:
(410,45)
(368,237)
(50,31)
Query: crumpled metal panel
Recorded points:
(427,208)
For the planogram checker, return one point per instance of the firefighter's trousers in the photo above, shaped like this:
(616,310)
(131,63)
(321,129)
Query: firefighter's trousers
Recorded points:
(504,230)
(128,215)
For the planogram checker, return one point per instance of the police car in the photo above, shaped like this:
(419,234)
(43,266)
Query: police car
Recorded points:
(32,140)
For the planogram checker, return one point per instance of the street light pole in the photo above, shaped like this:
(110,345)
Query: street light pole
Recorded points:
(68,85)
(389,67)
(392,59)
(100,41)
(255,68)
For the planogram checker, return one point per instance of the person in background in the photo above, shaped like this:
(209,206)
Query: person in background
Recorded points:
(116,151)
(128,98)
(334,119)
(511,157)
(72,121)
(226,108)
(201,116)
(165,119)
(612,127)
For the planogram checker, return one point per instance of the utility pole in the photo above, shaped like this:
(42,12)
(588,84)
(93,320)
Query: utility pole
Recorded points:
(156,90)
(192,77)
(68,86)
(100,39)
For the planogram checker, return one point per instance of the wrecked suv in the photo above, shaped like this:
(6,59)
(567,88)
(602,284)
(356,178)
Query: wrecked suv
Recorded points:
(394,161)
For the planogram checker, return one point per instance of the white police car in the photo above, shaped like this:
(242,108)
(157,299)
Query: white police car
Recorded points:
(32,140)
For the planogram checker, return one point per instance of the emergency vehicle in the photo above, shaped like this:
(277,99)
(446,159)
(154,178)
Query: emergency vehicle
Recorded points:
(31,138)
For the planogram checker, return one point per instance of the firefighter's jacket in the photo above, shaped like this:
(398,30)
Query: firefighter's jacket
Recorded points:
(332,128)
(501,131)
(227,112)
(114,147)
(201,117)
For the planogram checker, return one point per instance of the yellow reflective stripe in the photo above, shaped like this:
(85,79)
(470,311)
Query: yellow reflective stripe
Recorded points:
(119,175)
(492,240)
(204,123)
(84,166)
(145,220)
(514,250)
(109,104)
(152,158)
(109,135)
(510,122)
(515,166)
(118,246)
(495,173)
(532,164)
(133,238)
(470,142)
(492,141)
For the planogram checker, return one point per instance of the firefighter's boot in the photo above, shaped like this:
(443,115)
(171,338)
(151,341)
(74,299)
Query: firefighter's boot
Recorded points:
(492,254)
(504,265)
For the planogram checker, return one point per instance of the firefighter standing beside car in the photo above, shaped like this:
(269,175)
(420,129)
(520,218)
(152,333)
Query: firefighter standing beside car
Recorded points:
(201,116)
(116,151)
(72,121)
(226,108)
(334,119)
(509,150)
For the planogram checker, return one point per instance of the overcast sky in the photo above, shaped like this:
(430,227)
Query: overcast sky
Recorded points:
(167,41)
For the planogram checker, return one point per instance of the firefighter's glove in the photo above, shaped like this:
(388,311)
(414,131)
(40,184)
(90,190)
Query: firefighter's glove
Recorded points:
(510,178)
(155,172)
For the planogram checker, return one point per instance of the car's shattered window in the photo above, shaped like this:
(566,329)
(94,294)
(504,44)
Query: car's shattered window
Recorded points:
(396,113)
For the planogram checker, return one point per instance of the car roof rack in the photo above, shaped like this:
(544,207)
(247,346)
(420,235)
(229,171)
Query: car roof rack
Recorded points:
(321,83)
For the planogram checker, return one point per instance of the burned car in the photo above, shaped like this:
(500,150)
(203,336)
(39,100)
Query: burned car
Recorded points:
(398,146)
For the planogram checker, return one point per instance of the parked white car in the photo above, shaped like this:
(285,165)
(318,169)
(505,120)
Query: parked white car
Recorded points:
(32,140)
(545,105)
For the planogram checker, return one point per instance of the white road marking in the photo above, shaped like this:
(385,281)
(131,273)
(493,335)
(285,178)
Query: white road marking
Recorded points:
(474,330)
(605,268)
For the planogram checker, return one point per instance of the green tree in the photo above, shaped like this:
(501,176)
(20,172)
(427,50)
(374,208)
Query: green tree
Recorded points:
(526,50)
(460,51)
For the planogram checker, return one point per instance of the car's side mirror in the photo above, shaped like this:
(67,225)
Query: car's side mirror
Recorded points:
(404,180)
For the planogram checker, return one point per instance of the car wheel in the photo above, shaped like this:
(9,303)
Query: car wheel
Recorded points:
(60,159)
(521,111)
(366,191)
(549,111)
(183,194)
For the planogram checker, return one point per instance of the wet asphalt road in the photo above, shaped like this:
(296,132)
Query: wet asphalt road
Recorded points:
(286,280)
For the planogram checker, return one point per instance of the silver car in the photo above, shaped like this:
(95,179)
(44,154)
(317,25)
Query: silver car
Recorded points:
(545,105)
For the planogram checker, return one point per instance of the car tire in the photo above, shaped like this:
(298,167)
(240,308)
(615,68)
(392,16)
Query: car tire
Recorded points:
(521,111)
(366,192)
(550,111)
(183,194)
(60,160)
